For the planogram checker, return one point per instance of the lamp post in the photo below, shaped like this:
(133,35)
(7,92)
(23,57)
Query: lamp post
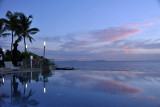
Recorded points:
(31,57)
(44,49)
(26,55)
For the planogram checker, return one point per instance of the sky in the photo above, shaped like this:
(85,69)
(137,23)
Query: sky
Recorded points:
(112,30)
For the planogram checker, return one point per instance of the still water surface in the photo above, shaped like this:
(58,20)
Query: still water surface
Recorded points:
(84,87)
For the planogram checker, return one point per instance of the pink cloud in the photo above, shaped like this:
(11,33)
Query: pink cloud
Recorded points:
(144,97)
(98,37)
(127,51)
(36,49)
(141,24)
(113,34)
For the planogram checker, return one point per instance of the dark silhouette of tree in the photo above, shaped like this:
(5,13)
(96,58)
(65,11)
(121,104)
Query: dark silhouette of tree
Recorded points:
(2,28)
(24,30)
(11,24)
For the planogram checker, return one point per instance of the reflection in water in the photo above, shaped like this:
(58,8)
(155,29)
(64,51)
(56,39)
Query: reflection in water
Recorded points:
(81,89)
(22,97)
(2,96)
(26,85)
(44,90)
(3,80)
(116,83)
(97,83)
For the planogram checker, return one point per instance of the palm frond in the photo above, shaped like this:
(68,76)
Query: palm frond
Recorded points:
(33,31)
(9,14)
(30,16)
(23,29)
(19,39)
(5,34)
(30,38)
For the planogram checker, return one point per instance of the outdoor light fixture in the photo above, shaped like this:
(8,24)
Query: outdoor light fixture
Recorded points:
(26,46)
(44,43)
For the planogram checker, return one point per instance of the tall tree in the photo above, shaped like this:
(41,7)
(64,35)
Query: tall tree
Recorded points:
(24,30)
(12,24)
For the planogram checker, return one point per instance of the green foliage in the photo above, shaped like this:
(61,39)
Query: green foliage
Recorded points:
(1,51)
(7,56)
(28,54)
(2,28)
(20,55)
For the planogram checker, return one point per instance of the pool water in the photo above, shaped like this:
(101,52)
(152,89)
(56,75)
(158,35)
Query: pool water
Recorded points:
(80,88)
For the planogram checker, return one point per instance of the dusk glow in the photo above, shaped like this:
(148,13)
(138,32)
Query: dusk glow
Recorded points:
(91,30)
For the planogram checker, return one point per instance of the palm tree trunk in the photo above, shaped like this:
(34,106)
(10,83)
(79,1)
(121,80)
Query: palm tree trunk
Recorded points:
(24,45)
(12,42)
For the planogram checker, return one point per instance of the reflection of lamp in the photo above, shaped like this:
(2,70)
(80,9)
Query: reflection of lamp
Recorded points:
(26,85)
(26,47)
(3,80)
(44,49)
(44,90)
(44,86)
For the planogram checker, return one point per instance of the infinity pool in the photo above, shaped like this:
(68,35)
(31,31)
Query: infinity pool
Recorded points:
(79,88)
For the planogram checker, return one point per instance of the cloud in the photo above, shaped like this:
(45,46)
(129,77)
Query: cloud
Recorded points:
(4,43)
(141,24)
(127,51)
(93,38)
(90,38)
(117,50)
(113,34)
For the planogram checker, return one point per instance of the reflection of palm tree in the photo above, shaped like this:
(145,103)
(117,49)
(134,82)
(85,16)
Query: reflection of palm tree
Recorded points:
(25,31)
(24,100)
(19,99)
(1,99)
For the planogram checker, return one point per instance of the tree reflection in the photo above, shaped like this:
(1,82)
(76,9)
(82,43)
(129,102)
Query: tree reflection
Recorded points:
(23,96)
(19,98)
(2,96)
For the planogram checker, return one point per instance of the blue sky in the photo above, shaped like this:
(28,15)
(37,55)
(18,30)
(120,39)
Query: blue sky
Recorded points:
(91,29)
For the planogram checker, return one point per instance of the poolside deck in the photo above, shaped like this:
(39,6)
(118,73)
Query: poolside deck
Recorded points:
(22,70)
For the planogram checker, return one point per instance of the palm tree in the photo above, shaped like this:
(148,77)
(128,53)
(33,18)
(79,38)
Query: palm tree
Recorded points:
(12,24)
(2,28)
(24,30)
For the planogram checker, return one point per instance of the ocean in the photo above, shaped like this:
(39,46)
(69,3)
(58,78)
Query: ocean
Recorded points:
(138,66)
